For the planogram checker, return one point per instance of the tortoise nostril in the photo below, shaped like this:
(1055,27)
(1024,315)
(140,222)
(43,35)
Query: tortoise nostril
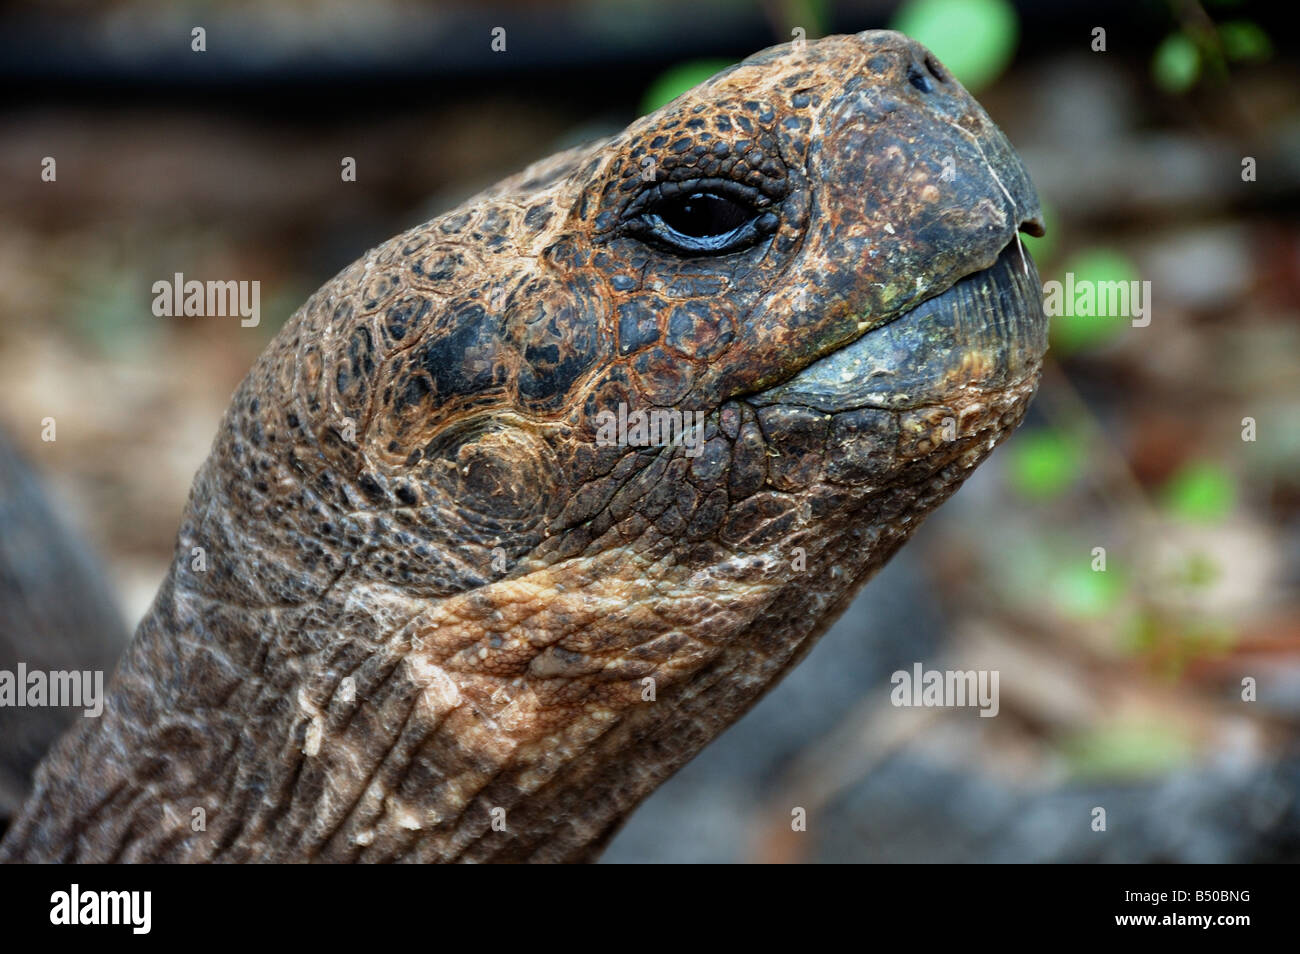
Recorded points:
(935,69)
(919,79)
(1034,226)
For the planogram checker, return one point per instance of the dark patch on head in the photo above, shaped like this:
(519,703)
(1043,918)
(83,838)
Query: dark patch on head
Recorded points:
(379,287)
(371,487)
(538,216)
(354,373)
(454,224)
(467,359)
(401,316)
(697,330)
(556,353)
(439,267)
(417,388)
(638,324)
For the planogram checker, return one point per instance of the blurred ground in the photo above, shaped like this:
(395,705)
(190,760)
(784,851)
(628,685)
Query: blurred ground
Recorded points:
(1121,687)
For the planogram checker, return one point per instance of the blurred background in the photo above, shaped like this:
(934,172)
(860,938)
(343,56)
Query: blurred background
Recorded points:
(1161,682)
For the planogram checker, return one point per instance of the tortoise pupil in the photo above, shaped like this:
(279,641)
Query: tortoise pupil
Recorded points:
(704,214)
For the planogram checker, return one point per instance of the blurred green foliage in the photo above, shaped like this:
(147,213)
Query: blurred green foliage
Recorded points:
(678,79)
(1176,63)
(1072,333)
(975,39)
(104,309)
(1202,491)
(1169,644)
(1184,56)
(1128,750)
(1245,41)
(1081,592)
(812,15)
(1045,463)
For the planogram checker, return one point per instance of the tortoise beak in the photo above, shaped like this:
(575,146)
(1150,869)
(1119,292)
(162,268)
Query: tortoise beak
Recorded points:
(987,332)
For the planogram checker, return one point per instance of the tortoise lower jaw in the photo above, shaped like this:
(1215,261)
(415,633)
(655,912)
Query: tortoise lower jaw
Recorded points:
(987,332)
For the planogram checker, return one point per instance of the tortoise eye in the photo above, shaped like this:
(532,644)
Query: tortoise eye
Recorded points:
(704,215)
(702,218)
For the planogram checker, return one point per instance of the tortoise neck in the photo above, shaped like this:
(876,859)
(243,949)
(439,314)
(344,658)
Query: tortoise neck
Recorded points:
(371,727)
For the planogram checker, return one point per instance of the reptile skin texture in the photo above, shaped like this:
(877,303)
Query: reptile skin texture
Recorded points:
(419,611)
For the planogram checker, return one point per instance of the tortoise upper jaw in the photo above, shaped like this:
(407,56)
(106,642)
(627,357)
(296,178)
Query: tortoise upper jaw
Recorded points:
(987,332)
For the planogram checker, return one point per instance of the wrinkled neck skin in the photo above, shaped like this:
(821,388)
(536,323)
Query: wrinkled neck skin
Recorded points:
(367,725)
(417,612)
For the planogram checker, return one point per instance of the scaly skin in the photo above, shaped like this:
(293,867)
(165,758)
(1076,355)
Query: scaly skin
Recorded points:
(433,599)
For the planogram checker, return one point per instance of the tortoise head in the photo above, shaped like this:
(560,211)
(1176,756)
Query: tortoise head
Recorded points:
(803,270)
(654,405)
(452,558)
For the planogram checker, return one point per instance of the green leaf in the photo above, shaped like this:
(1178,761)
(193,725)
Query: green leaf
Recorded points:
(1176,63)
(975,39)
(1084,593)
(1201,491)
(1074,332)
(1043,464)
(1245,40)
(678,79)
(1128,751)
